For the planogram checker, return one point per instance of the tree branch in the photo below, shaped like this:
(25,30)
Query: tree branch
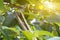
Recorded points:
(20,22)
(25,21)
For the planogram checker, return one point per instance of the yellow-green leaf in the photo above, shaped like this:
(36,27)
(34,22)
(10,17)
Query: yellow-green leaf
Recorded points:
(1,4)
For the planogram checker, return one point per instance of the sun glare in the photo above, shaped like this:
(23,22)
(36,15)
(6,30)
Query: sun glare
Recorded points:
(48,4)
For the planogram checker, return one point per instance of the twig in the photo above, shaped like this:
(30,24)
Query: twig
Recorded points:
(20,22)
(25,21)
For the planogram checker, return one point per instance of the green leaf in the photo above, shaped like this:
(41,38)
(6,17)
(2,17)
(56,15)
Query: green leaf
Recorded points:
(41,33)
(27,34)
(1,20)
(13,1)
(1,4)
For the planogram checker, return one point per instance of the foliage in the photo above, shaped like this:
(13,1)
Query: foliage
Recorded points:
(29,20)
